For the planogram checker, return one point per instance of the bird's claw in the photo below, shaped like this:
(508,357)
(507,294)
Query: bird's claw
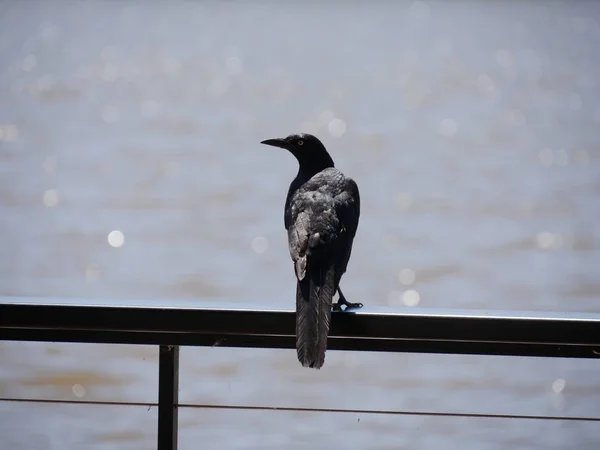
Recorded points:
(354,305)
(338,306)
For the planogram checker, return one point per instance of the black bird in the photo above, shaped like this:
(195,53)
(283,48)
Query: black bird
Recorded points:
(321,217)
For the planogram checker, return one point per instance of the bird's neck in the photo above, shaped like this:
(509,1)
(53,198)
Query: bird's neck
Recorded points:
(310,167)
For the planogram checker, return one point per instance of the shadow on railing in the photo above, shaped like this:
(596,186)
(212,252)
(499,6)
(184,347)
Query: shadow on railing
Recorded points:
(422,331)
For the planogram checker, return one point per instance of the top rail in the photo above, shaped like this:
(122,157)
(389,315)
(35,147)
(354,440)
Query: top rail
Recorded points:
(369,329)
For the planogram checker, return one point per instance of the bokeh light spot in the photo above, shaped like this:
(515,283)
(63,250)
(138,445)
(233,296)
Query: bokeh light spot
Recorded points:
(29,63)
(448,127)
(558,385)
(326,116)
(411,298)
(517,117)
(110,73)
(260,244)
(78,390)
(485,84)
(49,31)
(233,65)
(50,197)
(505,58)
(546,240)
(9,133)
(116,238)
(337,127)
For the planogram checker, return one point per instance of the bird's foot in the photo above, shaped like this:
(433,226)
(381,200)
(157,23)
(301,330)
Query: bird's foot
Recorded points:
(356,305)
(343,302)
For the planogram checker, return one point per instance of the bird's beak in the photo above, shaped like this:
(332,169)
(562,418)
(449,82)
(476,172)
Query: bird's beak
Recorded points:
(275,142)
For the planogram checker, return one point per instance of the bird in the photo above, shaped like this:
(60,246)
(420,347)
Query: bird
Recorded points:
(321,215)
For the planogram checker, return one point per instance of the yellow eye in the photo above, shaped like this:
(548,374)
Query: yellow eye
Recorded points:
(300,142)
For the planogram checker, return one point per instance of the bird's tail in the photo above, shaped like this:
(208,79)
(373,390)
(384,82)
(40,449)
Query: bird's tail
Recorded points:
(314,295)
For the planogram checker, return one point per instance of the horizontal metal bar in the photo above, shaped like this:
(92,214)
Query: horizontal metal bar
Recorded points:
(467,332)
(304,409)
(289,342)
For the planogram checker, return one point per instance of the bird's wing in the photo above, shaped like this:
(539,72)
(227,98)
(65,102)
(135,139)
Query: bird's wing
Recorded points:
(294,186)
(298,235)
(312,224)
(347,206)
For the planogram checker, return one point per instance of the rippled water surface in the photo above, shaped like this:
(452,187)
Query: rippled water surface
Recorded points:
(131,170)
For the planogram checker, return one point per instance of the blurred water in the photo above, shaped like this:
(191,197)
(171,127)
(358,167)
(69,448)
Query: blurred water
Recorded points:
(470,127)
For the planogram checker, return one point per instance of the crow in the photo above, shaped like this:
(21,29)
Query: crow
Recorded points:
(321,217)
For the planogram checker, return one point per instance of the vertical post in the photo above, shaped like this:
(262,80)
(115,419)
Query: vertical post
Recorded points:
(168,396)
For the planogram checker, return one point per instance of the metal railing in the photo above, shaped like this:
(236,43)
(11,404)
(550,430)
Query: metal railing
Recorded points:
(385,330)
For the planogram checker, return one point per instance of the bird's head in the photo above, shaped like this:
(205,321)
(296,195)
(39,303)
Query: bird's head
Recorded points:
(308,150)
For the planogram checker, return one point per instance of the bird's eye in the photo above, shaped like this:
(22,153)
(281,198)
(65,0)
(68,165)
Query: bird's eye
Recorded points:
(300,142)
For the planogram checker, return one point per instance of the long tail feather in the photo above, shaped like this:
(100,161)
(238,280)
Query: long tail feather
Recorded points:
(314,296)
